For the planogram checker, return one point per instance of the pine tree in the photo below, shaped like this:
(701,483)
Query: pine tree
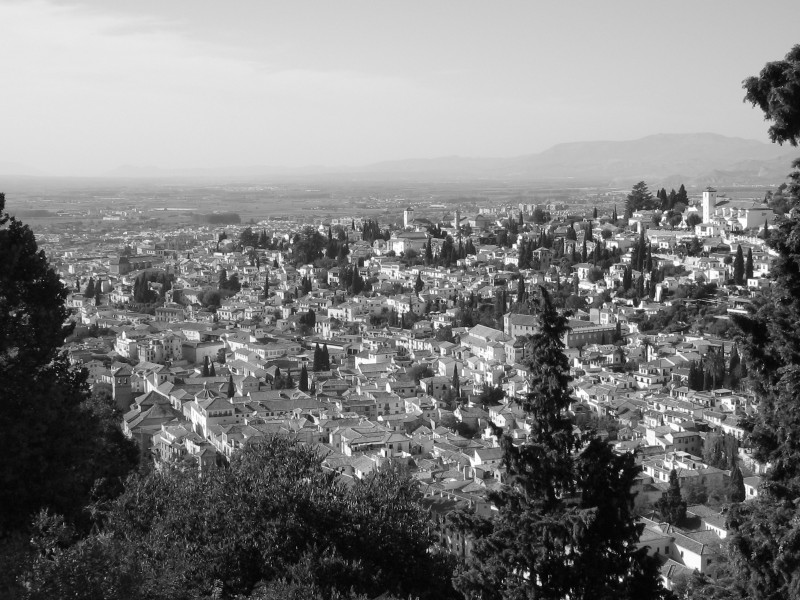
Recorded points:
(640,198)
(671,505)
(682,197)
(565,525)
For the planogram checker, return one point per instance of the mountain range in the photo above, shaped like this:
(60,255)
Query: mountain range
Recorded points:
(661,159)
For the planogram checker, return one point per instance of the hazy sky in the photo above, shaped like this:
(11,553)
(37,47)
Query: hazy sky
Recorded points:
(91,85)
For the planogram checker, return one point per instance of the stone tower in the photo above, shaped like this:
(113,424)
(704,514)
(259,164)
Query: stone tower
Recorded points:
(709,203)
(408,217)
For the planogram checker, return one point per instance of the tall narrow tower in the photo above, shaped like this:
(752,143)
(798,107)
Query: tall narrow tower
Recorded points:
(709,203)
(408,217)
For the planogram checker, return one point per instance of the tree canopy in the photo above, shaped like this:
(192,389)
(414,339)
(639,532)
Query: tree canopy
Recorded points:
(273,517)
(59,441)
(776,91)
(763,546)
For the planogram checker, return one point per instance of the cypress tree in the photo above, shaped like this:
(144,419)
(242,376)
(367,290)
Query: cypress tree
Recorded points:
(748,267)
(671,505)
(418,284)
(303,383)
(317,358)
(738,266)
(212,371)
(205,372)
(89,291)
(231,387)
(326,359)
(736,485)
(627,279)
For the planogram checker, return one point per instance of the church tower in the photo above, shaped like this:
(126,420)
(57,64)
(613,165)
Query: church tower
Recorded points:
(408,217)
(709,203)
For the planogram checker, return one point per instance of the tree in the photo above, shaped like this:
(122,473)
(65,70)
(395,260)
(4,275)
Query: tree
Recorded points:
(692,220)
(205,372)
(317,358)
(738,267)
(303,383)
(233,283)
(565,525)
(89,291)
(60,439)
(456,384)
(736,486)
(418,284)
(206,540)
(763,547)
(326,359)
(639,198)
(748,268)
(775,92)
(222,280)
(212,372)
(231,387)
(671,506)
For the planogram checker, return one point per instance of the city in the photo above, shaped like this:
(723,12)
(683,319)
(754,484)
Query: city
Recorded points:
(399,301)
(405,342)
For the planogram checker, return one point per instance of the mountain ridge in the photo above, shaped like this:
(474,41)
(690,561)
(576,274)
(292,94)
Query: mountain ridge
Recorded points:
(694,157)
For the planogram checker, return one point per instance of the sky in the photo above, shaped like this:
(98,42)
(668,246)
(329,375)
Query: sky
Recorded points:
(88,86)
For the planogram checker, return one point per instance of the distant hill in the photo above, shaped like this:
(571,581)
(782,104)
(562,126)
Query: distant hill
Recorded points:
(653,158)
(694,158)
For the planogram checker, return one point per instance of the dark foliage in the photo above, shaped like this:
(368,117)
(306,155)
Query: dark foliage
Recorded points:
(274,520)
